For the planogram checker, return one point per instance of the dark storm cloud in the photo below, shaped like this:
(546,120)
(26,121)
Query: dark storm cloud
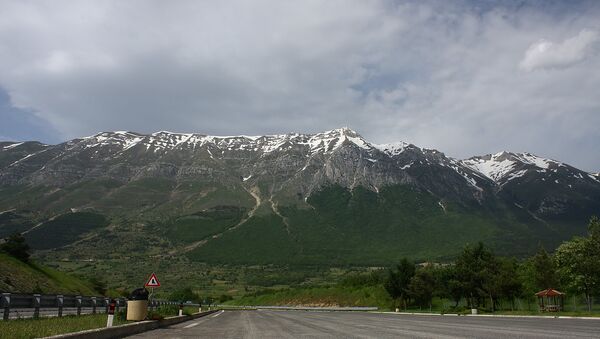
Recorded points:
(463,77)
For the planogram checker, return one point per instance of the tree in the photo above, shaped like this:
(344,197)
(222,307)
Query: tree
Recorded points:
(16,246)
(508,280)
(476,269)
(537,273)
(544,270)
(577,261)
(422,286)
(449,285)
(594,230)
(526,275)
(398,280)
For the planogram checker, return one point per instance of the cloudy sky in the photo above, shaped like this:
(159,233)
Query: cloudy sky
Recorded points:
(464,77)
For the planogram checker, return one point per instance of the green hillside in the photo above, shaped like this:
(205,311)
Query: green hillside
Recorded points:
(361,227)
(19,277)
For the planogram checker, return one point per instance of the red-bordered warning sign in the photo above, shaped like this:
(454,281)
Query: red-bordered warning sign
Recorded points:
(153,281)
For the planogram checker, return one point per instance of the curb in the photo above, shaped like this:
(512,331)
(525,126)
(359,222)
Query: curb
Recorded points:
(494,315)
(130,329)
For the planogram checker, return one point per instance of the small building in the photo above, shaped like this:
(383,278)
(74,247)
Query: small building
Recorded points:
(550,300)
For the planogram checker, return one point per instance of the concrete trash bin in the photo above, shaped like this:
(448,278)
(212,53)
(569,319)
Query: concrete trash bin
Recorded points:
(137,305)
(137,309)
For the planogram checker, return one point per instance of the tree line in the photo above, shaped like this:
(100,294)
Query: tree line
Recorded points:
(484,280)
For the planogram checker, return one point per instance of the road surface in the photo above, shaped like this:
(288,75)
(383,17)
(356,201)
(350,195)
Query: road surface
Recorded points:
(302,324)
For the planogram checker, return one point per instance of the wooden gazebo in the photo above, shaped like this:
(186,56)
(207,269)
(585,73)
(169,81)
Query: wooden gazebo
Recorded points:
(550,300)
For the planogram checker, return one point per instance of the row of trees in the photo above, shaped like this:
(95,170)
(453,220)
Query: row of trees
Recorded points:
(187,294)
(483,279)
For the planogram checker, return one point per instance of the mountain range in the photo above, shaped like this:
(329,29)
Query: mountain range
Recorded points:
(328,198)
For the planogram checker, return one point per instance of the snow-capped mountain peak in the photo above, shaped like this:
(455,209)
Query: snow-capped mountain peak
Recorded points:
(505,166)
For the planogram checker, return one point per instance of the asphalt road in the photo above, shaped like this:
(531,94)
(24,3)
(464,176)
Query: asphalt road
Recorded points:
(302,324)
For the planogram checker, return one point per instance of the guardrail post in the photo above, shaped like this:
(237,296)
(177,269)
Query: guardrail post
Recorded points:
(78,299)
(111,313)
(106,304)
(94,303)
(60,301)
(37,299)
(117,304)
(5,305)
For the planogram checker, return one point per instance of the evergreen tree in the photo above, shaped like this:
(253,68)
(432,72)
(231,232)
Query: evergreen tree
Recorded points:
(422,286)
(449,285)
(544,270)
(398,281)
(476,269)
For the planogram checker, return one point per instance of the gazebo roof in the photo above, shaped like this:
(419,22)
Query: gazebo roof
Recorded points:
(549,293)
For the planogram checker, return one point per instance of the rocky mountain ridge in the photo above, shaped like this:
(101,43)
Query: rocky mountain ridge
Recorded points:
(182,181)
(296,155)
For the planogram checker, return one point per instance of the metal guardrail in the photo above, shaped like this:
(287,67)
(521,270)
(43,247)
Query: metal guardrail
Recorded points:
(13,306)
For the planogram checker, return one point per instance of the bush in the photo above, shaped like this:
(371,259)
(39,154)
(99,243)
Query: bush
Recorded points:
(184,294)
(154,315)
(16,246)
(224,297)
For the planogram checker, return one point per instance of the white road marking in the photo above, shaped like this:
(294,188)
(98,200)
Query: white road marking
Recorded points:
(191,325)
(218,314)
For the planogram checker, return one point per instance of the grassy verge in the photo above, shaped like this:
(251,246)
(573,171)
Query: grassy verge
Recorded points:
(320,296)
(43,327)
(550,314)
(165,311)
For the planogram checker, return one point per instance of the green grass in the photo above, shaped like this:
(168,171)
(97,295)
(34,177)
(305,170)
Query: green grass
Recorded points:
(43,327)
(165,311)
(19,277)
(551,314)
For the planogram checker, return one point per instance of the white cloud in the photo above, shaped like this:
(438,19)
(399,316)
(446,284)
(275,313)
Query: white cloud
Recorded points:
(548,54)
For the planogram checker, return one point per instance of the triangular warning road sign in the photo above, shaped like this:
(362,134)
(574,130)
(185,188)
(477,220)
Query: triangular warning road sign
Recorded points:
(153,281)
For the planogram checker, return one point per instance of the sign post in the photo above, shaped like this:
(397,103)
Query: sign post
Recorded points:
(152,283)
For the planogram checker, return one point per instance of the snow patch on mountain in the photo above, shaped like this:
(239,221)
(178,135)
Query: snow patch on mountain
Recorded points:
(392,149)
(13,145)
(491,166)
